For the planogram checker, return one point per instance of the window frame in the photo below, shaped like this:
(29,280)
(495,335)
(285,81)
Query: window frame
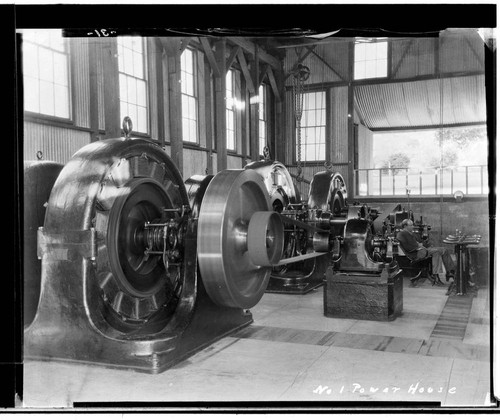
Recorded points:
(327,128)
(265,120)
(195,97)
(232,111)
(145,71)
(41,117)
(369,40)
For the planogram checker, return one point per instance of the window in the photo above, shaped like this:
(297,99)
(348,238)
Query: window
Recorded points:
(230,114)
(370,58)
(133,85)
(189,97)
(391,163)
(45,73)
(313,127)
(262,118)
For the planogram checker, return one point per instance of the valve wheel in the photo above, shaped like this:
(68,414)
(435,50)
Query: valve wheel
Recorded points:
(230,276)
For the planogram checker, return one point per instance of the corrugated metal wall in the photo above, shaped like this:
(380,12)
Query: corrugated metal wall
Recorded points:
(100,87)
(81,84)
(461,50)
(339,128)
(447,101)
(412,57)
(56,143)
(327,63)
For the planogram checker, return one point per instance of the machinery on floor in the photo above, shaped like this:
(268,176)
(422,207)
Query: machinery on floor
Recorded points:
(312,226)
(138,269)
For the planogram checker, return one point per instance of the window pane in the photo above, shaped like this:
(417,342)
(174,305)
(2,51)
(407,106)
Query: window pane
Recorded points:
(31,96)
(381,50)
(381,68)
(132,113)
(359,70)
(61,101)
(185,129)
(371,52)
(46,65)
(128,60)
(123,87)
(131,90)
(124,111)
(189,61)
(138,65)
(60,69)
(46,98)
(192,130)
(142,121)
(121,65)
(359,51)
(192,108)
(56,40)
(30,59)
(141,93)
(136,43)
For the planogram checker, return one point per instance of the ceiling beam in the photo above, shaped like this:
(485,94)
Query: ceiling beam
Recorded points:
(249,47)
(232,57)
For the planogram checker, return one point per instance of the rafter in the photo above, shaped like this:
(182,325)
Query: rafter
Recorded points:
(249,48)
(300,60)
(246,73)
(210,56)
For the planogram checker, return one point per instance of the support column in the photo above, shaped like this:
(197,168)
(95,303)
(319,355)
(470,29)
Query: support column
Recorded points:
(175,101)
(350,121)
(112,123)
(209,105)
(254,109)
(220,105)
(94,49)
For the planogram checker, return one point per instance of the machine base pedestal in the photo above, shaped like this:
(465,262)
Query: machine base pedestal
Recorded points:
(277,285)
(363,295)
(208,324)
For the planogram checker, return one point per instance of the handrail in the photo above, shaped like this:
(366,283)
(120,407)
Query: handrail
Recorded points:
(421,181)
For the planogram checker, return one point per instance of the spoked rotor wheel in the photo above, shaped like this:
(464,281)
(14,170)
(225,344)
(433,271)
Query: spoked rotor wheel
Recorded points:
(114,188)
(239,238)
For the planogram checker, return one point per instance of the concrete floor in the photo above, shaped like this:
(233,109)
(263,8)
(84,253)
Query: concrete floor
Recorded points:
(292,353)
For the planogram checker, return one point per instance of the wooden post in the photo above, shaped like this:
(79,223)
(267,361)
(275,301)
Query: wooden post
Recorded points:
(112,123)
(209,104)
(94,48)
(350,121)
(279,140)
(220,105)
(173,51)
(158,50)
(254,110)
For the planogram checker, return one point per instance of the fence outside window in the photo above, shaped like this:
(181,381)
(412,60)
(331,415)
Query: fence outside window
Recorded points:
(428,181)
